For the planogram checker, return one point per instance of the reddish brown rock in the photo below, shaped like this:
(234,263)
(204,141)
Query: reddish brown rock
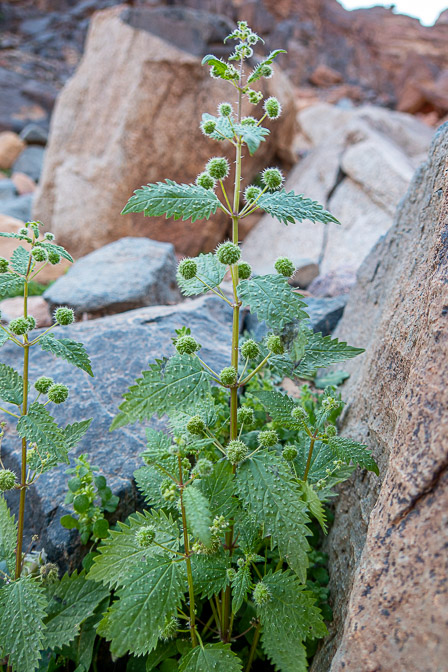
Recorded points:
(23,183)
(37,307)
(325,76)
(105,143)
(11,147)
(388,560)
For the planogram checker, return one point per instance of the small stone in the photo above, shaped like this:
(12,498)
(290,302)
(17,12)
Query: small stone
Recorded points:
(33,134)
(23,183)
(11,146)
(18,207)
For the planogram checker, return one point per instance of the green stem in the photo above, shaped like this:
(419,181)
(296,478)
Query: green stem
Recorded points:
(259,367)
(310,455)
(193,633)
(253,648)
(221,296)
(14,415)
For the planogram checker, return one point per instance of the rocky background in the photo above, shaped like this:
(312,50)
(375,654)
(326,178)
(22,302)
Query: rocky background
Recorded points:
(96,103)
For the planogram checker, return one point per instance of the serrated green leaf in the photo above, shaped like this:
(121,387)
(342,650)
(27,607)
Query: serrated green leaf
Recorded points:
(3,337)
(224,128)
(8,536)
(210,658)
(52,247)
(314,504)
(210,573)
(120,550)
(272,299)
(252,136)
(219,488)
(71,351)
(22,631)
(241,585)
(19,260)
(321,460)
(211,60)
(11,385)
(333,378)
(172,384)
(321,351)
(163,651)
(289,207)
(280,408)
(256,74)
(39,427)
(8,234)
(158,444)
(148,481)
(10,283)
(348,450)
(173,200)
(152,592)
(248,532)
(287,619)
(197,510)
(75,432)
(80,651)
(210,270)
(70,602)
(269,492)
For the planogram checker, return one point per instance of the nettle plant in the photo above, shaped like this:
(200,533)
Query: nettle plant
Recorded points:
(38,612)
(213,576)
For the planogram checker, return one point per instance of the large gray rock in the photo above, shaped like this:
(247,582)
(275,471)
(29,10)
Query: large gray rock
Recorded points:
(387,548)
(18,207)
(127,274)
(30,162)
(120,347)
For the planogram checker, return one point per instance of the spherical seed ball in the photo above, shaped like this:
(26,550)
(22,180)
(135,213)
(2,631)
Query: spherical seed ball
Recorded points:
(275,344)
(19,326)
(43,384)
(289,452)
(54,257)
(208,127)
(285,267)
(64,315)
(218,167)
(170,629)
(266,71)
(186,345)
(267,438)
(252,38)
(272,178)
(272,108)
(254,96)
(244,270)
(236,451)
(203,467)
(24,231)
(228,375)
(299,413)
(331,431)
(225,109)
(329,403)
(250,349)
(4,263)
(231,573)
(249,121)
(228,253)
(49,236)
(7,479)
(145,536)
(58,393)
(205,181)
(39,254)
(245,415)
(196,425)
(262,594)
(187,268)
(31,322)
(251,193)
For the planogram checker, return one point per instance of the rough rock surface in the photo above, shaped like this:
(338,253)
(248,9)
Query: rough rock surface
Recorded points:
(129,273)
(359,166)
(143,127)
(120,347)
(388,560)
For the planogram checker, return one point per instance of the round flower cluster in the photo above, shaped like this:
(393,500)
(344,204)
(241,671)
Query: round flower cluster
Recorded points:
(245,416)
(272,108)
(251,193)
(64,316)
(331,431)
(196,425)
(203,467)
(289,452)
(272,178)
(254,96)
(248,121)
(218,167)
(4,263)
(170,629)
(275,345)
(186,345)
(267,438)
(236,451)
(244,270)
(250,349)
(43,384)
(168,490)
(299,413)
(262,594)
(205,181)
(145,536)
(7,479)
(22,325)
(228,375)
(228,253)
(225,109)
(58,393)
(285,267)
(187,268)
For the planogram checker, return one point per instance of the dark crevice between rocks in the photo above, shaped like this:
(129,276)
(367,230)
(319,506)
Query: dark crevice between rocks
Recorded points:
(439,473)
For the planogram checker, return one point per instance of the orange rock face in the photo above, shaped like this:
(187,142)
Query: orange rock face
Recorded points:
(388,559)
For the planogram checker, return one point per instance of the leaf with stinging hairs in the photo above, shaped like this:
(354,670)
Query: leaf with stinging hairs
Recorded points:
(289,207)
(11,385)
(180,201)
(251,135)
(348,451)
(19,260)
(8,537)
(197,511)
(210,573)
(10,282)
(258,71)
(210,271)
(39,427)
(210,657)
(271,298)
(321,351)
(241,585)
(71,351)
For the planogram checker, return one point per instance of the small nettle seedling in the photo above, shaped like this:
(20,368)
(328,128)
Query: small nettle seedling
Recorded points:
(33,616)
(238,482)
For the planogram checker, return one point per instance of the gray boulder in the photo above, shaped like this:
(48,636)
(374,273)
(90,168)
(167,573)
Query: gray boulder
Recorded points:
(30,162)
(18,207)
(120,347)
(129,273)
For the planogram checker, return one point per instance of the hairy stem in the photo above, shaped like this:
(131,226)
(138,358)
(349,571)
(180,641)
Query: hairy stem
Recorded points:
(253,648)
(193,633)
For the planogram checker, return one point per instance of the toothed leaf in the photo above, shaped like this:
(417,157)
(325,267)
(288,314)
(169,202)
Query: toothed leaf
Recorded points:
(241,585)
(19,260)
(210,658)
(39,427)
(321,351)
(271,298)
(289,207)
(210,270)
(348,450)
(11,385)
(257,73)
(197,510)
(10,283)
(75,432)
(252,136)
(209,573)
(314,504)
(69,350)
(8,536)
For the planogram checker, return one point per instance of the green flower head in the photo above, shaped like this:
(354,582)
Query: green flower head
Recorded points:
(19,326)
(262,594)
(206,181)
(187,345)
(187,268)
(254,97)
(203,467)
(289,452)
(208,127)
(249,121)
(250,349)
(58,393)
(275,345)
(228,375)
(43,384)
(225,109)
(244,270)
(4,263)
(218,168)
(49,236)
(228,253)
(145,536)
(54,257)
(245,415)
(267,438)
(237,451)
(251,193)
(7,479)
(64,316)
(272,178)
(196,425)
(272,108)
(39,254)
(285,267)
(267,71)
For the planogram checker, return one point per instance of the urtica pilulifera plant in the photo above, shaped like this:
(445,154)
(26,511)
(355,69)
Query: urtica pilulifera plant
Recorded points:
(222,554)
(34,611)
